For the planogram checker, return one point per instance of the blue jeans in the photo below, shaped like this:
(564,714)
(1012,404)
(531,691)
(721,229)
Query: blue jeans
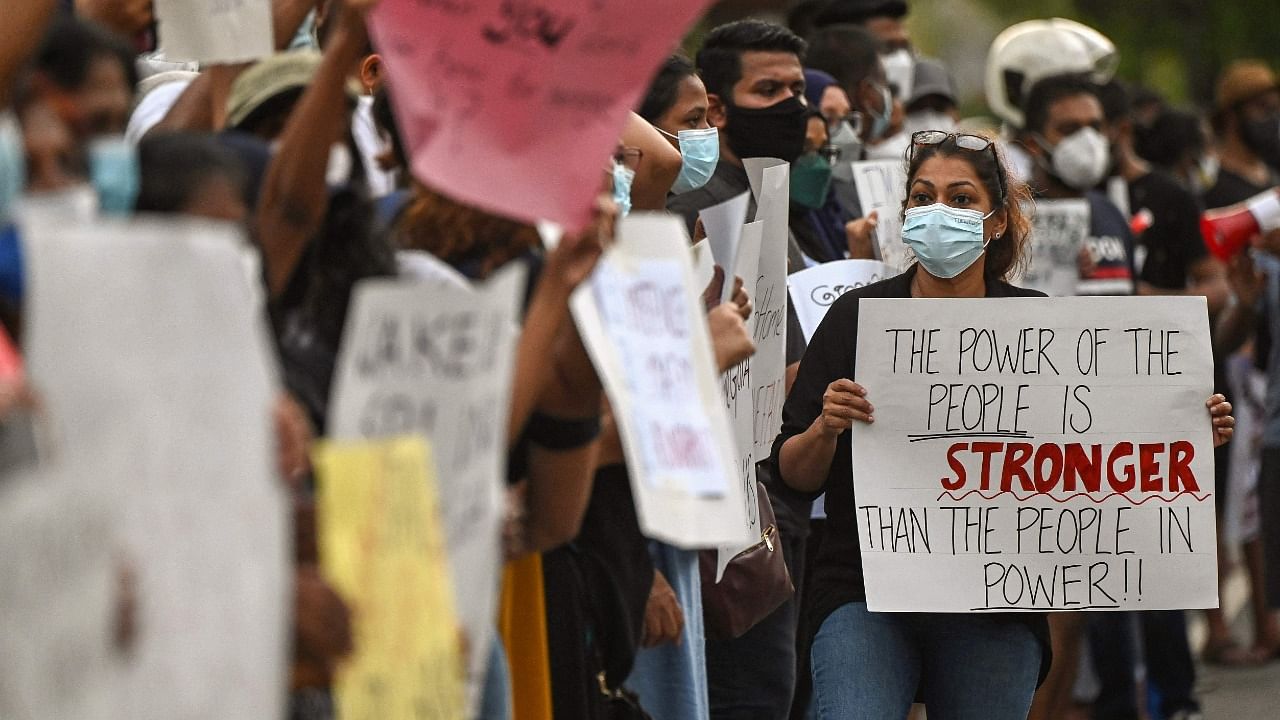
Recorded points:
(1165,650)
(966,667)
(671,680)
(495,698)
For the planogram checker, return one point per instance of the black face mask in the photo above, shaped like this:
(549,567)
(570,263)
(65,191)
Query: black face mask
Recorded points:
(777,131)
(1263,138)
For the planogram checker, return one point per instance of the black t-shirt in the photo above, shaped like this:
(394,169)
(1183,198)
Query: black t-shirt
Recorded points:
(1231,189)
(836,578)
(1172,243)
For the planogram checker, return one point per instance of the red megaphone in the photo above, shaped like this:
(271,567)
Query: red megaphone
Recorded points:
(1228,230)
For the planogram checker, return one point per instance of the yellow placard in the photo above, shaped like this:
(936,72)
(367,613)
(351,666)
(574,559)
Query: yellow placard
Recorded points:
(382,547)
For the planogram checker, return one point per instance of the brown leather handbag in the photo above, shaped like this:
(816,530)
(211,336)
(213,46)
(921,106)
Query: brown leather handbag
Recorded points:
(755,583)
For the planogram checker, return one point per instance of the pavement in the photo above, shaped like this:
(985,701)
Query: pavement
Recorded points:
(1236,693)
(1241,694)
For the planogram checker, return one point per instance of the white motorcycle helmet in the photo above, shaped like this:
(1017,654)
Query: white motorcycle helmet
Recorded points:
(1033,50)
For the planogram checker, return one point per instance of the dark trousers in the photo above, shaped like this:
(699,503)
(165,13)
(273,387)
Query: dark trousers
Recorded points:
(1269,515)
(754,676)
(1165,650)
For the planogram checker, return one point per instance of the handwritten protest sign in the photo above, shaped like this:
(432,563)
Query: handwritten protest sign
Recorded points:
(1036,454)
(812,291)
(1058,232)
(160,386)
(59,592)
(738,392)
(540,89)
(882,188)
(218,32)
(642,322)
(437,360)
(382,546)
(770,182)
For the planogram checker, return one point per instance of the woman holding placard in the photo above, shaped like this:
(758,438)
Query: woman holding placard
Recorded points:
(964,221)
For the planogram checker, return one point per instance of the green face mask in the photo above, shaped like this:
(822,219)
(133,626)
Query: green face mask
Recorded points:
(810,180)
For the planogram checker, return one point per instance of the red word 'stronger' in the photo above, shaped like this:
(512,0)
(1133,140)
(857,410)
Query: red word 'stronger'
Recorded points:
(1049,467)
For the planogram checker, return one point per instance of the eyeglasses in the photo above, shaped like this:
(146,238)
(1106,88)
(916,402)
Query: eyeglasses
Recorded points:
(971,143)
(628,156)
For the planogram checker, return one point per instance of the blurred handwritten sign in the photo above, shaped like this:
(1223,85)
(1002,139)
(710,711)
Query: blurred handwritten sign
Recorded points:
(436,359)
(382,547)
(642,321)
(514,106)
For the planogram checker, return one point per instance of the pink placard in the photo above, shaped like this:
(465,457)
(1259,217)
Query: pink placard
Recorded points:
(514,106)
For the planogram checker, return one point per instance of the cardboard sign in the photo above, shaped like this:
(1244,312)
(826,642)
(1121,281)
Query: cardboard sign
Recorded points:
(436,360)
(765,372)
(382,547)
(739,398)
(882,188)
(1059,229)
(1036,454)
(642,321)
(771,183)
(812,291)
(215,32)
(540,89)
(159,385)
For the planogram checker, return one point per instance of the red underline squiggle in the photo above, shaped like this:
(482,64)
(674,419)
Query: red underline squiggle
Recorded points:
(1096,500)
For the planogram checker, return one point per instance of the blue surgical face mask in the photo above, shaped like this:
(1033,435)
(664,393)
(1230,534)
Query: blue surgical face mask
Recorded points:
(113,170)
(13,166)
(622,178)
(946,240)
(699,154)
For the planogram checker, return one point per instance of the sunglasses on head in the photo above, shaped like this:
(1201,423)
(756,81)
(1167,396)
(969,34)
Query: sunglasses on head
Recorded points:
(971,143)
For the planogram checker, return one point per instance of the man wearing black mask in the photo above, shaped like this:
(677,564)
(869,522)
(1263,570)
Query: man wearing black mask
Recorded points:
(1246,120)
(755,89)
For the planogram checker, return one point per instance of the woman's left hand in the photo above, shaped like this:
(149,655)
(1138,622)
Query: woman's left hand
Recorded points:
(1223,423)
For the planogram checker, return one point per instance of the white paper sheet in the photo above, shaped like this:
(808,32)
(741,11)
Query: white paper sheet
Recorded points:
(813,291)
(1059,229)
(723,224)
(149,346)
(59,591)
(882,187)
(215,32)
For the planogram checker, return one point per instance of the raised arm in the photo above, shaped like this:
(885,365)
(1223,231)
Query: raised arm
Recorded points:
(294,194)
(21,31)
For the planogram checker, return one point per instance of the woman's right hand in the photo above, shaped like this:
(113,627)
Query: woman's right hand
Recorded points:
(842,403)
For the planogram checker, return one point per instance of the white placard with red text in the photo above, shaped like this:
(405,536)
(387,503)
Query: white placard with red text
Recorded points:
(1036,454)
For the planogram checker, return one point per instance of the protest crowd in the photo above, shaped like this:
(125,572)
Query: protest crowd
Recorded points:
(501,359)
